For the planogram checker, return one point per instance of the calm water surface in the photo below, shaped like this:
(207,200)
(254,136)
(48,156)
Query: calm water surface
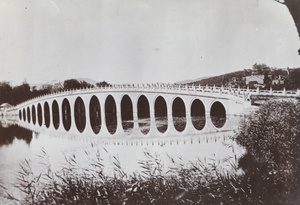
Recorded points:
(18,144)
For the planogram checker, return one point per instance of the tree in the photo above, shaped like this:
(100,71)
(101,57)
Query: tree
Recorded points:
(85,84)
(46,88)
(71,84)
(292,81)
(5,92)
(271,164)
(21,93)
(267,80)
(57,87)
(259,69)
(102,84)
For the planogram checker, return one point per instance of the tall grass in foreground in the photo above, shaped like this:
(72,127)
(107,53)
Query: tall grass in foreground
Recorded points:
(195,183)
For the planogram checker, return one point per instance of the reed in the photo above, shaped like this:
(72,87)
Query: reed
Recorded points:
(182,183)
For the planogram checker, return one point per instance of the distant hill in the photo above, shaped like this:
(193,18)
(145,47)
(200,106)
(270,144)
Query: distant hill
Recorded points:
(237,78)
(88,80)
(217,80)
(190,81)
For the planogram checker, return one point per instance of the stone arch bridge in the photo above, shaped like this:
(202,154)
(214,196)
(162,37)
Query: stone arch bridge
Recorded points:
(154,110)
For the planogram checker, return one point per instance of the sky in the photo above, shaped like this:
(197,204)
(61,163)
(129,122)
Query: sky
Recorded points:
(141,41)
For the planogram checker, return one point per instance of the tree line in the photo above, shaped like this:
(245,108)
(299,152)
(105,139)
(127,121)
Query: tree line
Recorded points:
(17,94)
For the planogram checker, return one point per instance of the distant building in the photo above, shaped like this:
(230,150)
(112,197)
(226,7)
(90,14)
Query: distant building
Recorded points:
(278,81)
(252,78)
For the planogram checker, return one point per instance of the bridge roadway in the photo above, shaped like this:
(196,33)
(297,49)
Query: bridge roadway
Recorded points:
(109,111)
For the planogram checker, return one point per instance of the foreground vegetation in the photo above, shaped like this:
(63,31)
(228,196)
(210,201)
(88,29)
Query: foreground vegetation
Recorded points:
(270,173)
(271,137)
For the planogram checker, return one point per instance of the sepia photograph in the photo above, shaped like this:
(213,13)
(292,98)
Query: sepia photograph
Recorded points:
(150,102)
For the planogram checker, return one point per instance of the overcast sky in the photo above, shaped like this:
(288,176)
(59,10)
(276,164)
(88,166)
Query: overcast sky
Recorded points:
(136,41)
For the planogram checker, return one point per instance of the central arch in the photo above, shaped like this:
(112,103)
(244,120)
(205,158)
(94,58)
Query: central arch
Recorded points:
(161,114)
(24,115)
(143,114)
(79,112)
(127,113)
(55,114)
(66,114)
(20,114)
(40,115)
(47,114)
(198,114)
(28,114)
(179,114)
(95,114)
(111,114)
(33,112)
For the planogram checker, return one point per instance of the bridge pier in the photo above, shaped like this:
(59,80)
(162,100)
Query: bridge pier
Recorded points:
(119,118)
(153,129)
(189,128)
(135,129)
(103,130)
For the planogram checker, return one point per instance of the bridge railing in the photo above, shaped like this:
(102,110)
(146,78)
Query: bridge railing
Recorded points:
(236,93)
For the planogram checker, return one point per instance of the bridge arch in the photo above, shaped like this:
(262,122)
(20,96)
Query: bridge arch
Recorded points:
(55,114)
(143,111)
(79,114)
(33,113)
(24,114)
(161,114)
(198,117)
(40,114)
(28,114)
(20,114)
(218,114)
(47,114)
(127,113)
(66,114)
(95,114)
(179,114)
(111,114)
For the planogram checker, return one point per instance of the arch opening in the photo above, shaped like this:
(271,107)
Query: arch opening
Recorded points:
(47,114)
(111,114)
(95,114)
(28,114)
(79,112)
(198,114)
(179,114)
(66,114)
(33,113)
(127,113)
(143,112)
(55,114)
(20,114)
(218,114)
(40,115)
(161,114)
(24,114)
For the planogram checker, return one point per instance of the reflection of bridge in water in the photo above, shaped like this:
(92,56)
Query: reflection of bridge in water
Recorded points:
(154,110)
